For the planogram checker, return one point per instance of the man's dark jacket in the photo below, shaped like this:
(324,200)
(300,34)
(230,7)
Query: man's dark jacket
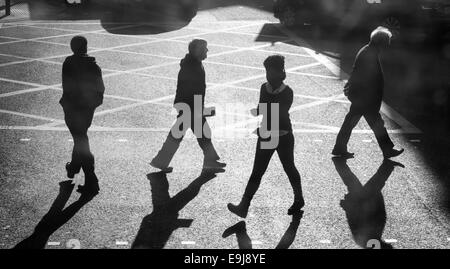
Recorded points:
(191,81)
(82,83)
(366,82)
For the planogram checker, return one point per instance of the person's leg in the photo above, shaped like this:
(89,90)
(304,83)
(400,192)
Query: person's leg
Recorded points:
(376,123)
(351,119)
(286,154)
(205,143)
(262,159)
(169,148)
(74,123)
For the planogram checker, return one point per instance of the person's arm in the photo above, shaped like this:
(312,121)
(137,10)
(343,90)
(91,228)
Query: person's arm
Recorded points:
(100,86)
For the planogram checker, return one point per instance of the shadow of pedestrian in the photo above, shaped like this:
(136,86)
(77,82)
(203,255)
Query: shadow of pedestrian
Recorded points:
(364,204)
(245,242)
(55,218)
(156,228)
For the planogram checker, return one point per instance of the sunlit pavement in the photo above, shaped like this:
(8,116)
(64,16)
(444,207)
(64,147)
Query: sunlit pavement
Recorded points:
(140,70)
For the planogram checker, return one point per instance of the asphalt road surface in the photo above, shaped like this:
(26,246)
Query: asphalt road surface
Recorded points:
(407,208)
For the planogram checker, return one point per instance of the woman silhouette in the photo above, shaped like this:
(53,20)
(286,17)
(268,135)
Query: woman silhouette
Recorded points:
(274,93)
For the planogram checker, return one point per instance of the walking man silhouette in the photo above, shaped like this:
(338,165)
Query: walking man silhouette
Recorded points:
(273,92)
(364,89)
(83,90)
(189,101)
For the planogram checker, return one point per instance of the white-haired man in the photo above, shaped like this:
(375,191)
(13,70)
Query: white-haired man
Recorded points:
(364,89)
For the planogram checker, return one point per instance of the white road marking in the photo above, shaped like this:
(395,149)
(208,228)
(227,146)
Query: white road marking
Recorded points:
(54,243)
(390,241)
(25,139)
(122,140)
(150,40)
(367,140)
(325,241)
(63,35)
(121,243)
(318,140)
(187,242)
(29,115)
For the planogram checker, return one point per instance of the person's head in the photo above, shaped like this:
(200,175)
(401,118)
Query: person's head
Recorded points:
(381,37)
(198,48)
(275,73)
(78,44)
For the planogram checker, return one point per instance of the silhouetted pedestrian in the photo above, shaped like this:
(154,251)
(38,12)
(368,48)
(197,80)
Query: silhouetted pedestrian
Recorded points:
(365,91)
(189,101)
(273,92)
(83,90)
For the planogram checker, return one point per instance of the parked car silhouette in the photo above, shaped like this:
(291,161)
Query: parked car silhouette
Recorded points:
(353,14)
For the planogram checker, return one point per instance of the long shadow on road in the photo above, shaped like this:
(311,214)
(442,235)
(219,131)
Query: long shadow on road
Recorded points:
(364,204)
(55,218)
(245,242)
(417,85)
(157,227)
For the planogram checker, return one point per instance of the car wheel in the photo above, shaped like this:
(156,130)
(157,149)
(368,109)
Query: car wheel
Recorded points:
(287,16)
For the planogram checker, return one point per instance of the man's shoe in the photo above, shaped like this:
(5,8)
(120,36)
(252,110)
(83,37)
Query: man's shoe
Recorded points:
(238,210)
(164,169)
(342,153)
(296,207)
(393,163)
(390,153)
(213,165)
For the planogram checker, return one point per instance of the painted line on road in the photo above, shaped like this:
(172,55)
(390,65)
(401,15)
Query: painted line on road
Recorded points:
(54,243)
(325,241)
(390,241)
(30,116)
(318,140)
(187,242)
(121,243)
(122,140)
(24,139)
(143,129)
(367,140)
